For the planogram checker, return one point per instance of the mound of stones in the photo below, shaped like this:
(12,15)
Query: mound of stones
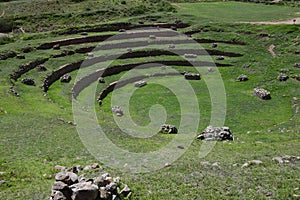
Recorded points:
(140,84)
(216,134)
(65,78)
(168,129)
(191,76)
(28,81)
(70,186)
(242,78)
(262,93)
(117,110)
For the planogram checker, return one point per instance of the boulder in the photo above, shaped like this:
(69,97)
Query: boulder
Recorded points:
(262,93)
(283,77)
(56,47)
(191,76)
(216,134)
(117,110)
(152,37)
(169,129)
(68,178)
(20,56)
(214,45)
(90,55)
(220,58)
(84,191)
(297,65)
(140,83)
(63,188)
(242,78)
(28,81)
(101,79)
(65,78)
(41,67)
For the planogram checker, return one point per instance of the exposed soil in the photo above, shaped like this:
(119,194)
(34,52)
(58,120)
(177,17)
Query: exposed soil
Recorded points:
(271,50)
(290,21)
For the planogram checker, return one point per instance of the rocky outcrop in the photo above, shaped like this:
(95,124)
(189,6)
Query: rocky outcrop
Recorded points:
(262,93)
(216,134)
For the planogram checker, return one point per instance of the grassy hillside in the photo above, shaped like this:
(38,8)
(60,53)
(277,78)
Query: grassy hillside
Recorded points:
(37,130)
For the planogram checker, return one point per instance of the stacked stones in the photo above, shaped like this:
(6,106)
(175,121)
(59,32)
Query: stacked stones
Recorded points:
(169,129)
(70,186)
(262,93)
(216,133)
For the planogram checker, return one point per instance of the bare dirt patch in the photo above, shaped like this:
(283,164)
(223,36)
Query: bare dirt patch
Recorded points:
(290,21)
(271,50)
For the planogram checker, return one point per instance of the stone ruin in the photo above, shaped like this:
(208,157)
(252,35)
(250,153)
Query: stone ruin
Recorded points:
(28,81)
(262,93)
(191,76)
(283,77)
(65,78)
(216,134)
(69,186)
(242,78)
(140,83)
(169,129)
(117,110)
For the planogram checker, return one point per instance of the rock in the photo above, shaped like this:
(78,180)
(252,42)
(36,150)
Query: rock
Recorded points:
(282,77)
(171,46)
(41,67)
(112,188)
(27,49)
(214,45)
(140,83)
(278,159)
(252,162)
(84,191)
(95,166)
(63,188)
(122,30)
(205,163)
(56,47)
(101,79)
(20,56)
(100,181)
(68,178)
(152,37)
(129,50)
(117,110)
(210,69)
(216,134)
(87,168)
(125,191)
(2,182)
(61,168)
(170,129)
(103,193)
(262,93)
(65,78)
(58,195)
(90,55)
(297,65)
(220,58)
(243,78)
(84,33)
(188,55)
(191,76)
(28,81)
(216,164)
(13,91)
(174,28)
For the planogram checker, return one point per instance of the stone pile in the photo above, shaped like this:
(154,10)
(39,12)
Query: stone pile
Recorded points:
(140,83)
(214,45)
(169,129)
(282,77)
(243,78)
(69,186)
(65,78)
(117,110)
(216,134)
(191,76)
(28,81)
(262,93)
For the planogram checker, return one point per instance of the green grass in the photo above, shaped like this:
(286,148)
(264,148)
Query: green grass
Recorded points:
(35,135)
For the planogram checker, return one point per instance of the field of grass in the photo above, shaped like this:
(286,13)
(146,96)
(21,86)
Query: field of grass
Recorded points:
(35,134)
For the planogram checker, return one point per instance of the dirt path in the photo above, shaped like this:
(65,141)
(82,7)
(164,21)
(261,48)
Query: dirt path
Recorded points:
(271,50)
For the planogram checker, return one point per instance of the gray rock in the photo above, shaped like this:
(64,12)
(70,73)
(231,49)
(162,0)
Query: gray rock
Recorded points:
(262,93)
(152,37)
(220,58)
(84,191)
(28,81)
(112,188)
(56,47)
(214,45)
(188,55)
(297,65)
(41,68)
(169,129)
(125,191)
(278,159)
(140,83)
(171,46)
(243,78)
(101,80)
(191,76)
(100,181)
(68,178)
(216,134)
(20,56)
(65,78)
(117,110)
(283,77)
(63,188)
(58,195)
